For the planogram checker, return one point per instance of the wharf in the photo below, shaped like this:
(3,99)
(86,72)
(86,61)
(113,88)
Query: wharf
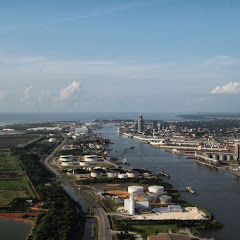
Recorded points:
(188,189)
(235,173)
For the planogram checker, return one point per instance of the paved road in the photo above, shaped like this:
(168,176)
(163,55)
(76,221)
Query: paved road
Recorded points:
(104,231)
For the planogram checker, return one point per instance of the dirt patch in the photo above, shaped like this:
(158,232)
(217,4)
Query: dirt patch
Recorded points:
(21,217)
(119,193)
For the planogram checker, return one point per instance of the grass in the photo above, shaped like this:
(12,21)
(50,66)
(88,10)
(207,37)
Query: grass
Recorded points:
(108,165)
(7,196)
(70,177)
(8,162)
(148,230)
(15,140)
(9,190)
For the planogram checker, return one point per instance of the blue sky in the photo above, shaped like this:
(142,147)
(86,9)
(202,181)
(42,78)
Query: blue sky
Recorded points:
(119,56)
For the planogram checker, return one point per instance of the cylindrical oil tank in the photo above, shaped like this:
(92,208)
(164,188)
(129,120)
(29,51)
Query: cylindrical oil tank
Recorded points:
(112,174)
(132,205)
(156,189)
(52,140)
(122,175)
(135,189)
(95,174)
(165,199)
(222,157)
(84,164)
(132,174)
(91,158)
(229,157)
(216,156)
(67,163)
(66,158)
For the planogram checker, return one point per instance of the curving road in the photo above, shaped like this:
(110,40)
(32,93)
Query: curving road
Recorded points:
(104,231)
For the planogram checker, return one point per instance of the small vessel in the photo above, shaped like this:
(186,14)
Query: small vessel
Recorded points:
(131,147)
(190,190)
(124,161)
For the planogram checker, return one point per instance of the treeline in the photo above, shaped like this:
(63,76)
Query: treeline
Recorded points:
(123,236)
(63,215)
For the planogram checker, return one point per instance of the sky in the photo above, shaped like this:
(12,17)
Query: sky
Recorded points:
(119,56)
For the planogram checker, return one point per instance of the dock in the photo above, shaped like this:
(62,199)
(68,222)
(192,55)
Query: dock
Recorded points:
(187,189)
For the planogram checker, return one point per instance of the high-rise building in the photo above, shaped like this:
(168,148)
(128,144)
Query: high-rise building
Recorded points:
(136,126)
(140,124)
(236,152)
(154,125)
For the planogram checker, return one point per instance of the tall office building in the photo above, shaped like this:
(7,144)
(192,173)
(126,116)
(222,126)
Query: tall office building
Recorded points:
(236,152)
(140,124)
(136,126)
(154,125)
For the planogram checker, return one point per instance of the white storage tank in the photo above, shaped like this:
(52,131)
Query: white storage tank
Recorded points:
(52,140)
(165,199)
(66,158)
(95,174)
(135,189)
(67,163)
(122,175)
(229,157)
(90,169)
(222,157)
(156,189)
(84,164)
(91,158)
(132,174)
(132,205)
(112,174)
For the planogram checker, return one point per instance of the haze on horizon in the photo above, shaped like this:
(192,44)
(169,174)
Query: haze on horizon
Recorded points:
(120,56)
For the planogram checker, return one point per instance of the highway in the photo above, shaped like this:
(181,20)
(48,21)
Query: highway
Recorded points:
(104,231)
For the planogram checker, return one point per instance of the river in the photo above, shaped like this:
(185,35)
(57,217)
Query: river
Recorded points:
(217,191)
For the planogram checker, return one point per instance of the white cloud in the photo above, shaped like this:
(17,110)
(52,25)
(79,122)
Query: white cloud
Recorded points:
(26,95)
(22,60)
(232,87)
(67,92)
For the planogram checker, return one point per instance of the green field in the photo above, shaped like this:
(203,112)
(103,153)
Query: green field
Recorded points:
(9,190)
(149,230)
(13,182)
(15,140)
(8,162)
